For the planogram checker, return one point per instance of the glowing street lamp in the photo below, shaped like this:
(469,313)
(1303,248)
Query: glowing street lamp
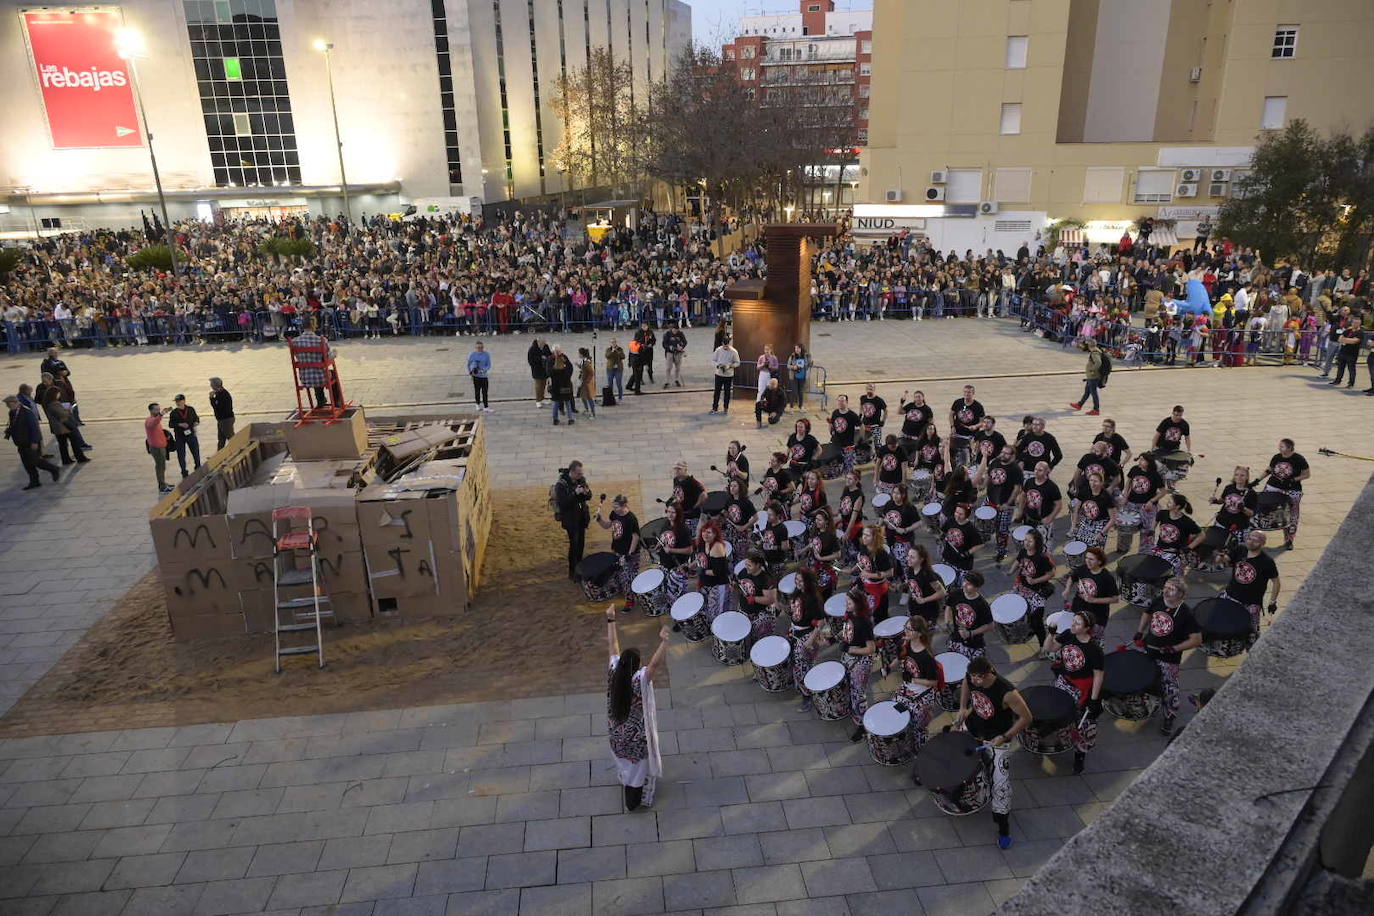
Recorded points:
(325,48)
(130,46)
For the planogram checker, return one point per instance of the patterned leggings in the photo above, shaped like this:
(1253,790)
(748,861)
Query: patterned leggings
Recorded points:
(629,568)
(859,668)
(1001,778)
(761,618)
(923,708)
(967,652)
(1294,511)
(1084,732)
(1035,610)
(848,459)
(1148,511)
(718,600)
(1093,533)
(803,659)
(1175,558)
(1003,525)
(1168,682)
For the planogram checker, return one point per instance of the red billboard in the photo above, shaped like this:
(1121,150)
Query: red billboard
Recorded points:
(86,86)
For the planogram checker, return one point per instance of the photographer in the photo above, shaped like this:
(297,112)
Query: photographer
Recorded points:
(772,402)
(1092,376)
(571,495)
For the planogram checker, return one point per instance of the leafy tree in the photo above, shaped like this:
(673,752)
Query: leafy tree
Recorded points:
(152,257)
(282,247)
(9,259)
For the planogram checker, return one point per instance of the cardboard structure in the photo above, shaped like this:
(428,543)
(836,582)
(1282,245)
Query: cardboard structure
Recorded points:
(402,522)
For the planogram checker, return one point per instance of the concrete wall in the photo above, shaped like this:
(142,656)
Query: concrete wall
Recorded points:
(1229,817)
(1127,61)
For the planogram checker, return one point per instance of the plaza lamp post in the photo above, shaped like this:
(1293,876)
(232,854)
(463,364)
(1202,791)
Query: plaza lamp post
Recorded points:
(130,46)
(326,48)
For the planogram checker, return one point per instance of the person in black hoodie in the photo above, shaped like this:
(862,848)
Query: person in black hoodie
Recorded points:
(539,357)
(571,495)
(561,385)
(24,432)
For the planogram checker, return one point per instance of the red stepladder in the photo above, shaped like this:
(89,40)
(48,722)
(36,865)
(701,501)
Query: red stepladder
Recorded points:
(294,539)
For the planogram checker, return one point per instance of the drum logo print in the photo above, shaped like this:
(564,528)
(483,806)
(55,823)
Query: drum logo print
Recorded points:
(846,505)
(954,537)
(1035,449)
(982,706)
(617,529)
(679,497)
(889,462)
(1233,502)
(1091,510)
(666,539)
(1140,484)
(1168,534)
(1245,573)
(1172,434)
(1161,624)
(770,484)
(928,453)
(867,409)
(1073,657)
(841,424)
(965,416)
(734,513)
(997,476)
(1283,470)
(797,452)
(965,616)
(1033,499)
(1094,469)
(1087,587)
(746,587)
(806,502)
(893,519)
(866,563)
(1027,570)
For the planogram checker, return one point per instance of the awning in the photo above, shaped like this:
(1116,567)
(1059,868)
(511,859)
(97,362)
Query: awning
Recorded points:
(1162,237)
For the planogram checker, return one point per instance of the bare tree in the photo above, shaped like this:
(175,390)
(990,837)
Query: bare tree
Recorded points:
(600,121)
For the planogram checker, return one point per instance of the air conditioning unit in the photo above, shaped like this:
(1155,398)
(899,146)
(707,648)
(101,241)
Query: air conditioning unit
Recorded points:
(987,208)
(1221,174)
(1195,75)
(894,196)
(1190,175)
(934,193)
(1218,189)
(937,177)
(1186,190)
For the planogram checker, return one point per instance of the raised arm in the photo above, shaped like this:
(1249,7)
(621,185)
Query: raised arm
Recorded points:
(660,655)
(612,637)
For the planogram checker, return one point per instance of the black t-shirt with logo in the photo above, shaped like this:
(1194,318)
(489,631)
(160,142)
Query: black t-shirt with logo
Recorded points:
(966,417)
(752,585)
(844,425)
(1033,449)
(956,542)
(1079,659)
(889,464)
(1168,627)
(1172,433)
(1096,508)
(801,451)
(928,455)
(740,511)
(918,666)
(1234,499)
(1286,471)
(1250,576)
(1003,479)
(900,517)
(988,715)
(1117,444)
(1100,584)
(824,543)
(809,501)
(914,419)
(923,583)
(772,541)
(876,563)
(674,538)
(1033,566)
(1175,533)
(849,501)
(872,409)
(856,631)
(989,442)
(739,463)
(970,614)
(1141,486)
(805,613)
(1039,498)
(623,529)
(686,492)
(1092,463)
(777,482)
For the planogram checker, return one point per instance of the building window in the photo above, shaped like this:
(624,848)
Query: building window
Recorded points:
(863,113)
(749,52)
(964,186)
(865,69)
(1011,185)
(538,114)
(1011,118)
(866,46)
(1017,46)
(1275,112)
(747,73)
(814,8)
(1285,42)
(862,135)
(241,79)
(505,99)
(1103,185)
(447,108)
(864,91)
(1154,186)
(729,53)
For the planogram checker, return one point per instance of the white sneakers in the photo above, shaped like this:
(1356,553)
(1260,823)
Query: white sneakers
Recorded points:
(539,404)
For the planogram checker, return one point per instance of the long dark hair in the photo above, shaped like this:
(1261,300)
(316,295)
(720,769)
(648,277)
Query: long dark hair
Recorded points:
(622,688)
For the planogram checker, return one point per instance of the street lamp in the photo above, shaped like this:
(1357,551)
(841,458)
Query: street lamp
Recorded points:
(325,47)
(130,46)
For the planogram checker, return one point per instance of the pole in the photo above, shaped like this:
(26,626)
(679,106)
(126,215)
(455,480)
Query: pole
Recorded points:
(152,158)
(338,141)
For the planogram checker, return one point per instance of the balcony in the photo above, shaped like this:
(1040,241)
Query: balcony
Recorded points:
(813,78)
(776,58)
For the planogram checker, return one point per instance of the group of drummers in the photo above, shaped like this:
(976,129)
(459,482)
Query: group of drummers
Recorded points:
(728,563)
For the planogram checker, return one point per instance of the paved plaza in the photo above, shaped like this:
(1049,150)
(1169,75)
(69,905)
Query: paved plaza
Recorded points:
(512,808)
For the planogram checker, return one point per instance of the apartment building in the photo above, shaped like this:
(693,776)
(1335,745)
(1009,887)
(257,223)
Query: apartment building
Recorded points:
(992,118)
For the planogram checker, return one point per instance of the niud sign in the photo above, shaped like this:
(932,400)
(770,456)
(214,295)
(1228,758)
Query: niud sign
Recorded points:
(887,225)
(86,88)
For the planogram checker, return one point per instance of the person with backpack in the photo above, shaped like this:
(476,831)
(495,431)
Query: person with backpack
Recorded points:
(568,498)
(1094,376)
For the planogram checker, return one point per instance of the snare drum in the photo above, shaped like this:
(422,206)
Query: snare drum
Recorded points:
(689,613)
(1130,685)
(796,539)
(1142,578)
(830,461)
(1018,534)
(1173,466)
(651,588)
(835,607)
(772,661)
(931,513)
(1052,716)
(715,502)
(951,769)
(955,667)
(597,574)
(1009,612)
(1226,626)
(946,573)
(921,486)
(1128,517)
(1211,555)
(787,585)
(829,687)
(1073,554)
(649,535)
(1271,512)
(985,519)
(888,732)
(880,502)
(730,638)
(738,570)
(1058,622)
(887,634)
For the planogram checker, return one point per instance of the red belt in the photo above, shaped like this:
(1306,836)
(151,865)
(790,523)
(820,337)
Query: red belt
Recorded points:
(1084,686)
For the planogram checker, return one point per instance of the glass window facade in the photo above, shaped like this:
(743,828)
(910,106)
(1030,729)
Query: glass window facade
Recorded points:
(241,78)
(449,110)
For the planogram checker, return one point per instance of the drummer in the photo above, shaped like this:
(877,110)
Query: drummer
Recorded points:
(1254,572)
(858,646)
(968,617)
(822,552)
(777,482)
(901,519)
(958,489)
(919,670)
(872,415)
(964,416)
(1140,497)
(1166,630)
(801,447)
(1120,449)
(1237,505)
(1287,470)
(849,520)
(1176,534)
(810,496)
(713,569)
(736,462)
(872,570)
(1173,433)
(844,430)
(773,539)
(1097,460)
(675,552)
(737,521)
(925,590)
(624,528)
(1035,570)
(1079,666)
(806,613)
(1096,513)
(928,453)
(916,414)
(987,441)
(890,465)
(994,712)
(1091,589)
(960,540)
(1037,446)
(1041,502)
(689,494)
(1002,477)
(758,597)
